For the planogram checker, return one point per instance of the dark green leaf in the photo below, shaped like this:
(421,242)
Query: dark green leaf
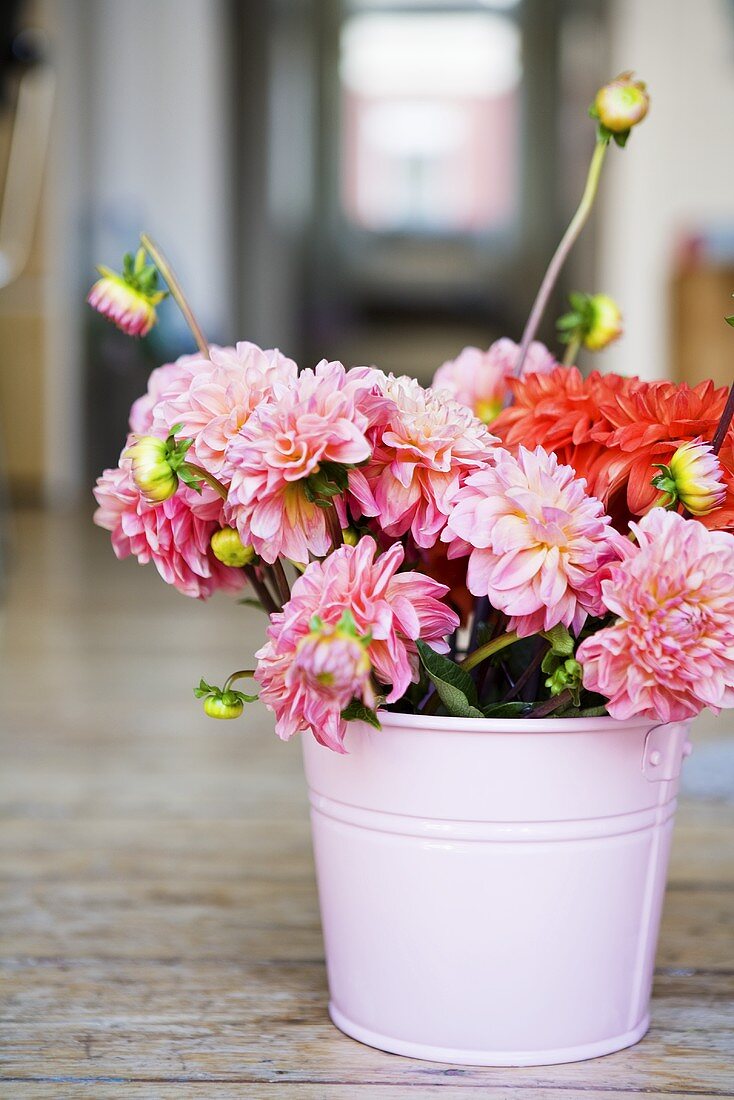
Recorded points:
(454,685)
(358,712)
(516,709)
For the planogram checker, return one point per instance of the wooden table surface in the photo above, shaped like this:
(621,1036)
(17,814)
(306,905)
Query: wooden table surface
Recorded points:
(159,923)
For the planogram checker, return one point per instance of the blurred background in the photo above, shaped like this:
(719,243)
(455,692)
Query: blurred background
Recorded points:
(370,180)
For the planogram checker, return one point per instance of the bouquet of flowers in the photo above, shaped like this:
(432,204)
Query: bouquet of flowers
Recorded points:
(516,540)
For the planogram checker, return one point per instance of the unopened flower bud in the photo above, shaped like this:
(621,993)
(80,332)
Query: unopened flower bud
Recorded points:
(567,676)
(223,702)
(128,299)
(151,468)
(350,537)
(605,322)
(227,547)
(226,705)
(694,478)
(595,321)
(621,104)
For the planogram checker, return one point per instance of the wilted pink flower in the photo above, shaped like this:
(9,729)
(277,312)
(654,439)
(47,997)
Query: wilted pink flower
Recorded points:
(174,535)
(213,398)
(425,445)
(479,379)
(536,540)
(671,651)
(388,610)
(283,446)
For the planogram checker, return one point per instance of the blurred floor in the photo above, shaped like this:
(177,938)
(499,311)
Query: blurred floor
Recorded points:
(160,931)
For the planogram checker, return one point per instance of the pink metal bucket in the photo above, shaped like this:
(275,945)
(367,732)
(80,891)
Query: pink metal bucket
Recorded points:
(491,890)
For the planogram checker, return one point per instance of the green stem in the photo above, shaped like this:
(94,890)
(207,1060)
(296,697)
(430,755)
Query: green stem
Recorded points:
(572,350)
(176,290)
(210,479)
(487,650)
(561,254)
(243,674)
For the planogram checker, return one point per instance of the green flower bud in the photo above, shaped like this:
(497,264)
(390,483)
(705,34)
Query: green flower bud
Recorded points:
(227,547)
(151,468)
(594,321)
(605,322)
(566,675)
(621,104)
(226,705)
(350,536)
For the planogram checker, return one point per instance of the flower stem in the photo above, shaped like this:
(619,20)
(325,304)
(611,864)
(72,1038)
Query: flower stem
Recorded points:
(243,674)
(526,674)
(335,527)
(281,581)
(263,593)
(487,650)
(210,479)
(176,290)
(556,702)
(561,254)
(726,418)
(572,350)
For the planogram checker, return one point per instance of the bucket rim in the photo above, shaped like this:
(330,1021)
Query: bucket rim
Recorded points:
(438,723)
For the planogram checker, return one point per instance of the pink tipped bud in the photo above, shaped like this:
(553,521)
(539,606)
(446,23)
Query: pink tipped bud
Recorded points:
(694,477)
(129,299)
(621,104)
(151,468)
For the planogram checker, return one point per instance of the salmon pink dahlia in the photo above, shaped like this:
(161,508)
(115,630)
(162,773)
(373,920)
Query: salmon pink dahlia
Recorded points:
(425,445)
(280,457)
(479,379)
(213,398)
(350,618)
(171,376)
(536,540)
(175,534)
(671,651)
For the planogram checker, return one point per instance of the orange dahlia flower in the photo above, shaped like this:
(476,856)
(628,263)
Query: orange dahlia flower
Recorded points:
(560,411)
(613,430)
(647,424)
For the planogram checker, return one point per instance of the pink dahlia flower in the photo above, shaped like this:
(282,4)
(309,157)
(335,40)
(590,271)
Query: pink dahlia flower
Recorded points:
(311,668)
(213,398)
(536,540)
(479,379)
(425,445)
(171,376)
(286,442)
(174,535)
(671,651)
